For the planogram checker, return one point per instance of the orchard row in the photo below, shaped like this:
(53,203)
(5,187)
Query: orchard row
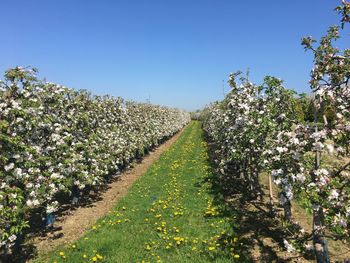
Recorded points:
(256,129)
(58,144)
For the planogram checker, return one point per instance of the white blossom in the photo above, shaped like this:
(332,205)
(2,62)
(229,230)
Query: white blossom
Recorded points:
(289,247)
(9,167)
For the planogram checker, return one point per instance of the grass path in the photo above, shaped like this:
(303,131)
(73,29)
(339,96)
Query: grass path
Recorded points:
(67,229)
(167,216)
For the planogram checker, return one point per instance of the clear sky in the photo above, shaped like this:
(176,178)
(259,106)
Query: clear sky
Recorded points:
(177,52)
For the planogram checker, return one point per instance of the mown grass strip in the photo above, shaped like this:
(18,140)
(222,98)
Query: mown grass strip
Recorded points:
(167,216)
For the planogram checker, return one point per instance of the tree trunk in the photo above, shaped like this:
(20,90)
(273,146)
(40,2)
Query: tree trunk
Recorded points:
(287,207)
(250,179)
(320,243)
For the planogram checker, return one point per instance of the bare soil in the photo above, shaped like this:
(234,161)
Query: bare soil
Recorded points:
(261,233)
(339,250)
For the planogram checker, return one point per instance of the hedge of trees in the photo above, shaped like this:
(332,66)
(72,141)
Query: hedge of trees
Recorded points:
(266,128)
(56,143)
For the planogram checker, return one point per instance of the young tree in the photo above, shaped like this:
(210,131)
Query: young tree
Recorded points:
(330,84)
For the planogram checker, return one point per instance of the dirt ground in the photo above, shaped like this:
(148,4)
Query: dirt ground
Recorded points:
(74,222)
(261,233)
(338,250)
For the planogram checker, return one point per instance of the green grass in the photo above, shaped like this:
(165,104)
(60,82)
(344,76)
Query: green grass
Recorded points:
(167,216)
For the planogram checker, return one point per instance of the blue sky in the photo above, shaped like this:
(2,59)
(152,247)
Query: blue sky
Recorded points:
(175,52)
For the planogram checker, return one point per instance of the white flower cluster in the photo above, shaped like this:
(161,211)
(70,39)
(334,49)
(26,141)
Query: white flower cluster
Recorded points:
(54,139)
(289,247)
(255,129)
(245,124)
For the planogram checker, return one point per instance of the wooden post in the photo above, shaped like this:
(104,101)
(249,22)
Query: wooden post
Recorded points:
(270,189)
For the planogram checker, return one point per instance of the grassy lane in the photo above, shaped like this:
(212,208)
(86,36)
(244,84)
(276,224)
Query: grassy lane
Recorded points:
(167,216)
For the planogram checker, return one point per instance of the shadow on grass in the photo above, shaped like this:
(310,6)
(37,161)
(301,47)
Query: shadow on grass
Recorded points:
(260,234)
